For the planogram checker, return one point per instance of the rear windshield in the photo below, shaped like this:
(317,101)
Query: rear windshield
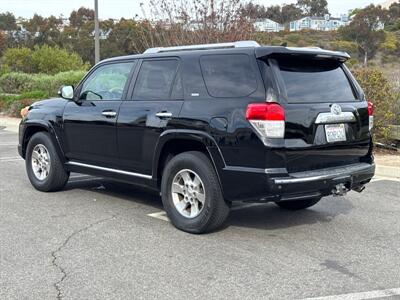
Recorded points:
(311,80)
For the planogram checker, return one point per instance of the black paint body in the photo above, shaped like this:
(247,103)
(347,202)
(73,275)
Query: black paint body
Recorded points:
(136,141)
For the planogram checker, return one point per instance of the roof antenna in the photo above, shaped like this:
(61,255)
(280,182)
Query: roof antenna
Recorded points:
(284,44)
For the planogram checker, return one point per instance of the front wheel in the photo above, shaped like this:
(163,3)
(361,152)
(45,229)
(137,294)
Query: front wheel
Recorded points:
(191,193)
(45,169)
(298,204)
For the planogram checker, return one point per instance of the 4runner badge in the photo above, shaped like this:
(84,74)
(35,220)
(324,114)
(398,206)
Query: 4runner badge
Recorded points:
(336,109)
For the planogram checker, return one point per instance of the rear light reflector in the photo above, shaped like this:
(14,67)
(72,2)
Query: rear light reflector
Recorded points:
(371,114)
(268,119)
(370,108)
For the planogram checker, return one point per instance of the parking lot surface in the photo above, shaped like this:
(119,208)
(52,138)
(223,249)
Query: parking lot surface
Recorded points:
(101,240)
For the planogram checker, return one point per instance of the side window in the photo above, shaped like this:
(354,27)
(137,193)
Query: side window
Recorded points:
(228,75)
(155,79)
(107,82)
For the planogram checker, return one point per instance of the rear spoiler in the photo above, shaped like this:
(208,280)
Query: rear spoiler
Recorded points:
(297,51)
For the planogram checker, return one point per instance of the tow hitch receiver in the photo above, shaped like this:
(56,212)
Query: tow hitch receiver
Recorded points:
(340,190)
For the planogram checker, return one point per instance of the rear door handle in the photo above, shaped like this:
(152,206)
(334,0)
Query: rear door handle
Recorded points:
(109,113)
(164,114)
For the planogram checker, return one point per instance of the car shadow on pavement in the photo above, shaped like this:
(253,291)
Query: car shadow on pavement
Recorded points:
(266,216)
(269,216)
(119,190)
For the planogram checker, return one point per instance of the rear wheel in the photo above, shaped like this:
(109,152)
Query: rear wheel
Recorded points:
(45,169)
(191,193)
(298,204)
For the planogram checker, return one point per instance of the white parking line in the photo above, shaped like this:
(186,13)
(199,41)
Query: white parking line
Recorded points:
(8,144)
(361,296)
(162,215)
(10,158)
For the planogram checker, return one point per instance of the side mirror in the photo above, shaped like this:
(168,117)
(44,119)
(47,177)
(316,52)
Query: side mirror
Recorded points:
(66,92)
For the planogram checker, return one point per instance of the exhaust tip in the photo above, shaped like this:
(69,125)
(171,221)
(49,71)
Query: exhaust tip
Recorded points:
(359,189)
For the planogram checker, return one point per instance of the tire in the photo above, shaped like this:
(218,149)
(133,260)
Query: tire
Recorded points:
(212,212)
(55,177)
(298,204)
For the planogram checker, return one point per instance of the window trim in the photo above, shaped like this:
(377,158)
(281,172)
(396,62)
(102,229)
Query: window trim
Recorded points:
(79,87)
(254,69)
(135,76)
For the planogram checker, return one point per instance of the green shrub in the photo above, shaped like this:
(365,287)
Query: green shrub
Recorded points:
(50,60)
(378,90)
(345,46)
(12,104)
(17,60)
(43,59)
(293,38)
(17,83)
(14,110)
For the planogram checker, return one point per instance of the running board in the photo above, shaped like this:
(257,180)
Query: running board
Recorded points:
(78,164)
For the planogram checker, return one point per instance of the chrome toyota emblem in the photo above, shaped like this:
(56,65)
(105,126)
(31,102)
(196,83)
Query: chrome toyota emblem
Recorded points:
(336,109)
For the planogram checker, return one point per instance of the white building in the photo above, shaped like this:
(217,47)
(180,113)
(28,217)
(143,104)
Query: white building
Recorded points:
(326,23)
(268,25)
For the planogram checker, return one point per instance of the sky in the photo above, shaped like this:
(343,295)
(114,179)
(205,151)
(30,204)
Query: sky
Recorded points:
(117,9)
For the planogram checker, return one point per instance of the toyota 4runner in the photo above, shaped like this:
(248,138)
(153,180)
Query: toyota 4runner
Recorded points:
(206,125)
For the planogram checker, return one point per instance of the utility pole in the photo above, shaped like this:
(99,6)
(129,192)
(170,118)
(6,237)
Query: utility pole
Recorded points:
(96,32)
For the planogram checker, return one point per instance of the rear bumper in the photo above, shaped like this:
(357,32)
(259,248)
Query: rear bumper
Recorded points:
(319,183)
(350,172)
(258,185)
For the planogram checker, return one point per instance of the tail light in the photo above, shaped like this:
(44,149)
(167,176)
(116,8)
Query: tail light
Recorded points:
(371,114)
(268,119)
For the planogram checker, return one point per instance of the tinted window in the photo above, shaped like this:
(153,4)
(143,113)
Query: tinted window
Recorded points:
(155,80)
(228,75)
(307,80)
(106,82)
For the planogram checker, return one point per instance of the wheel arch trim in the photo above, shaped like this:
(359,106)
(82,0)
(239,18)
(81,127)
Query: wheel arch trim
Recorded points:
(206,139)
(46,126)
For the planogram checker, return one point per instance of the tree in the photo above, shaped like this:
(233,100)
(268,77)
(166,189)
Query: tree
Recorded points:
(43,30)
(3,42)
(81,16)
(365,30)
(7,21)
(283,14)
(253,11)
(315,8)
(290,12)
(393,23)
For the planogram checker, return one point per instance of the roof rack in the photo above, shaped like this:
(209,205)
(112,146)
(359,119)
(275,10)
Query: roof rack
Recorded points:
(238,44)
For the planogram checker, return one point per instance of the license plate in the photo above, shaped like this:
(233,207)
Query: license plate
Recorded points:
(335,133)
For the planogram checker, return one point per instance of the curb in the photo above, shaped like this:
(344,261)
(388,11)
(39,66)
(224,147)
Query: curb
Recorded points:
(387,171)
(11,124)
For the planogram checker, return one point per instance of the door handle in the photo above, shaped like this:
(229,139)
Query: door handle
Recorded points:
(164,114)
(109,114)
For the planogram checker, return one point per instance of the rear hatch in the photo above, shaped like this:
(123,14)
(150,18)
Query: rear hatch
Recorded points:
(326,115)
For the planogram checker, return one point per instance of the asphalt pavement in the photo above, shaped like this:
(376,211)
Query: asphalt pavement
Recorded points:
(100,240)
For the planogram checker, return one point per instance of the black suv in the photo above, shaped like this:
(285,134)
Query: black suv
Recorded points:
(207,125)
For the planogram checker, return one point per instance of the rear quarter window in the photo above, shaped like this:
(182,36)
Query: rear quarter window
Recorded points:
(311,80)
(228,75)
